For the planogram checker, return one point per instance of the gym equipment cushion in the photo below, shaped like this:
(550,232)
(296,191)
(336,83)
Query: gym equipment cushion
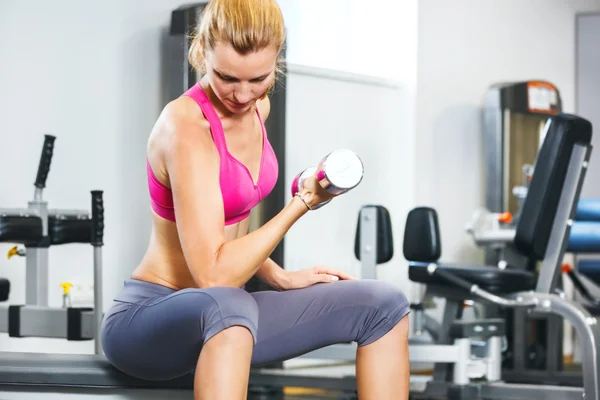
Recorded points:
(547,183)
(588,210)
(20,229)
(66,228)
(422,235)
(489,278)
(584,237)
(4,289)
(385,240)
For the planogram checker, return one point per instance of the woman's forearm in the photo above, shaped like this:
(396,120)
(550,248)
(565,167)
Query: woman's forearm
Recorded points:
(238,260)
(272,274)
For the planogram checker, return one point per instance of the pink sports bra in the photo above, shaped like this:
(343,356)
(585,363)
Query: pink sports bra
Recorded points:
(239,192)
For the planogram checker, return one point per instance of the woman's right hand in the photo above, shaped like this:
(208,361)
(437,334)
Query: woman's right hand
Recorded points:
(313,193)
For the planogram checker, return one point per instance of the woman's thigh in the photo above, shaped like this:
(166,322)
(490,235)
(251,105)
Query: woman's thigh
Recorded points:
(295,322)
(161,338)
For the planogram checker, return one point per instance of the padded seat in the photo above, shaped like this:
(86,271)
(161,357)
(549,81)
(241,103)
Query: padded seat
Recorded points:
(23,229)
(489,278)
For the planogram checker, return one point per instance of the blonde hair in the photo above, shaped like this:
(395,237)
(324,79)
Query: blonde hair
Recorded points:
(245,25)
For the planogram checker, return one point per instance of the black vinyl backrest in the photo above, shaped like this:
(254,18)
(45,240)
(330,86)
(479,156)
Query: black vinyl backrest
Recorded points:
(422,235)
(385,237)
(563,132)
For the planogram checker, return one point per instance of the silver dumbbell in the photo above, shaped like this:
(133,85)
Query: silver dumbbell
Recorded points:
(338,172)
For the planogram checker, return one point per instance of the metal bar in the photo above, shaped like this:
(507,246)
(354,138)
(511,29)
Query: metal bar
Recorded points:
(25,392)
(88,325)
(502,391)
(561,378)
(588,332)
(452,311)
(41,208)
(36,276)
(494,359)
(368,242)
(563,219)
(39,321)
(3,319)
(98,299)
(462,352)
(341,352)
(436,353)
(418,353)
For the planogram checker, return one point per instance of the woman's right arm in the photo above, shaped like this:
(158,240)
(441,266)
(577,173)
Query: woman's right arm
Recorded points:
(193,167)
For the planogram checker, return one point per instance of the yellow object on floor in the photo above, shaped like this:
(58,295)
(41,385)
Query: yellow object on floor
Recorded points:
(295,391)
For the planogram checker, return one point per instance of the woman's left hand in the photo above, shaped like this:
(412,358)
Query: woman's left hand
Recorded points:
(310,276)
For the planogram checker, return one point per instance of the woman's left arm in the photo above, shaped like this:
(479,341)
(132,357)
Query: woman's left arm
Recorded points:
(280,279)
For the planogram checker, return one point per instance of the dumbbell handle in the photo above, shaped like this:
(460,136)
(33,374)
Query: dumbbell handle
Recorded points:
(45,160)
(337,172)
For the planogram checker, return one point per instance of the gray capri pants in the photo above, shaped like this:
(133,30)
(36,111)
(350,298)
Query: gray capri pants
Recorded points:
(156,333)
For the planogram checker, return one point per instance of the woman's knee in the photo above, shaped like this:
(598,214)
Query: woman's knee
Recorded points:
(229,307)
(390,307)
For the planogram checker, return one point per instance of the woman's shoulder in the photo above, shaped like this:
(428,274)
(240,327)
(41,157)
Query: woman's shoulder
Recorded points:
(264,107)
(180,124)
(183,112)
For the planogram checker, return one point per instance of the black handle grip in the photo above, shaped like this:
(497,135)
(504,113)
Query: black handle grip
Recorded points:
(460,282)
(97,218)
(578,283)
(45,159)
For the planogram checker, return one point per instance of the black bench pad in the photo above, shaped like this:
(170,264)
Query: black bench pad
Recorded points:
(490,278)
(73,370)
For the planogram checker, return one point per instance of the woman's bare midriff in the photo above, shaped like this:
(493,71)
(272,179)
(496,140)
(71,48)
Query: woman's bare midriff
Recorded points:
(164,262)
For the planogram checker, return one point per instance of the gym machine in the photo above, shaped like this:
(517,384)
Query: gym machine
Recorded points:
(515,115)
(541,234)
(37,228)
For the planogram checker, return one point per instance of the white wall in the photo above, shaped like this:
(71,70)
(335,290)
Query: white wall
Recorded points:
(89,73)
(463,48)
(375,43)
(374,37)
(368,116)
(587,89)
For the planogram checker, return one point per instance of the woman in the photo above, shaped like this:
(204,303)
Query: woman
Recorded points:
(209,162)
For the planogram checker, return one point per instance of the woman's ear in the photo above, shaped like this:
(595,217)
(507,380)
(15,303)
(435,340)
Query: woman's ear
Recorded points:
(203,54)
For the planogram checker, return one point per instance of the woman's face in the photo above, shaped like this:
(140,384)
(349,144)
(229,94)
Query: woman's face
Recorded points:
(239,80)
